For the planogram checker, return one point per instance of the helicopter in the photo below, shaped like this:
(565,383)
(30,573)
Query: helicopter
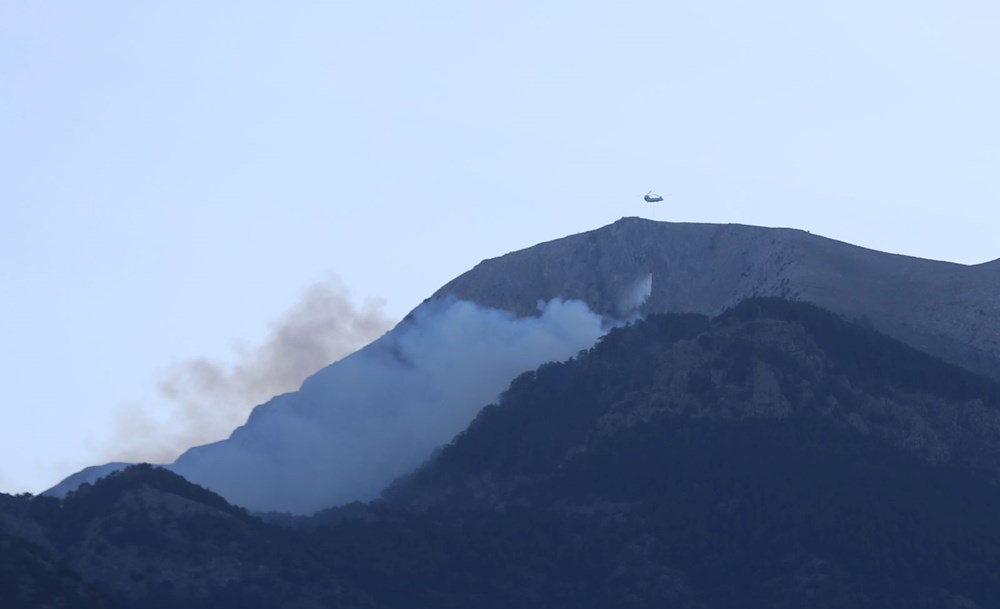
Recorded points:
(652,197)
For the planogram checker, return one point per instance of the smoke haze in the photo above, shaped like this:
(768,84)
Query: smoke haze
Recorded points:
(207,399)
(357,425)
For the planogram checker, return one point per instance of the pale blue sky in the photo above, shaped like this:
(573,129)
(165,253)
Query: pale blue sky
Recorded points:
(174,175)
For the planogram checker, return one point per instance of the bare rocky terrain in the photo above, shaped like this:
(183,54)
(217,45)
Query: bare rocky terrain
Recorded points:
(950,310)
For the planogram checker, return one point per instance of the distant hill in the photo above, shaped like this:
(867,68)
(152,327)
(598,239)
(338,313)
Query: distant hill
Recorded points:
(776,455)
(148,538)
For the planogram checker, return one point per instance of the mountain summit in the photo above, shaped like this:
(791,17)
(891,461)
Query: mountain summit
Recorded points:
(944,308)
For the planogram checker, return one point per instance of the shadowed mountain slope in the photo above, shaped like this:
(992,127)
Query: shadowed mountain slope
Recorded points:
(32,578)
(775,456)
(766,359)
(148,538)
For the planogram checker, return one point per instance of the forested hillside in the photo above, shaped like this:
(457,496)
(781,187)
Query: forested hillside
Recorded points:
(776,456)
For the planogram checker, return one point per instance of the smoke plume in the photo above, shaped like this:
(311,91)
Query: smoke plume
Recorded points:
(205,399)
(355,426)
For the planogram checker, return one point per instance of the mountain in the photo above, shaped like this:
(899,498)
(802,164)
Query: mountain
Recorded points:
(776,455)
(360,423)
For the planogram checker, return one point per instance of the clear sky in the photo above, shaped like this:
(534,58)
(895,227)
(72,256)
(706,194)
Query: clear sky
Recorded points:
(174,177)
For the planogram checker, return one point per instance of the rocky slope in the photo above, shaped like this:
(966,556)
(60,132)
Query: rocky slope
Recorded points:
(948,309)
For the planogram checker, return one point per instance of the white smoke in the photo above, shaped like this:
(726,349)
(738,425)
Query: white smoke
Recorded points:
(374,416)
(634,296)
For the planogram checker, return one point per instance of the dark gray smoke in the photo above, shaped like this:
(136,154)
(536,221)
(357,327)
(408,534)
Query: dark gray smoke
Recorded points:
(207,399)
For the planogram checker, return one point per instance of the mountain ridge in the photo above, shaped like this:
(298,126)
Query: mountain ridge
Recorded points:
(942,307)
